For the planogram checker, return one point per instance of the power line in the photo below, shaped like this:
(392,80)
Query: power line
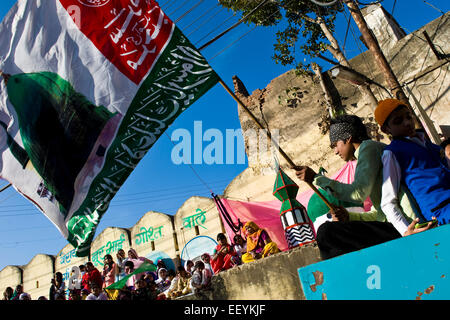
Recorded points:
(127,201)
(169,5)
(262,3)
(192,168)
(153,192)
(242,36)
(178,8)
(436,8)
(217,27)
(189,11)
(201,16)
(206,21)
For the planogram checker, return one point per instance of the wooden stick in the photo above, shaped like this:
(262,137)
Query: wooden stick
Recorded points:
(6,187)
(285,156)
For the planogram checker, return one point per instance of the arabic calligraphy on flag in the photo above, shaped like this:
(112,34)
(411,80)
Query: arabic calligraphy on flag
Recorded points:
(88,88)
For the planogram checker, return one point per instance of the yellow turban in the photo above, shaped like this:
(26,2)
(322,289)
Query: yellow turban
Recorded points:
(385,108)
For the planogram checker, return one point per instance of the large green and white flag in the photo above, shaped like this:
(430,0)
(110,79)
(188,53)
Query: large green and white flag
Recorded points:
(88,87)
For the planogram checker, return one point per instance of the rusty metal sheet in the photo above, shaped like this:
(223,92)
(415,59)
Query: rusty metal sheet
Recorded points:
(416,267)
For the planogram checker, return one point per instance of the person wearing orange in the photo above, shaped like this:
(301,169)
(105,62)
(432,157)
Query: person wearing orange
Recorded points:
(259,244)
(223,255)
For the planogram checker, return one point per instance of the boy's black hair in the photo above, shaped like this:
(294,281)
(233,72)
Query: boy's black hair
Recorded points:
(129,264)
(359,130)
(180,268)
(198,264)
(221,236)
(171,273)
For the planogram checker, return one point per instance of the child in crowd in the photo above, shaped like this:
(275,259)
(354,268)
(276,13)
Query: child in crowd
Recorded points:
(131,281)
(96,293)
(412,160)
(121,259)
(200,281)
(110,271)
(84,294)
(142,292)
(182,286)
(75,295)
(240,246)
(57,290)
(173,279)
(8,293)
(206,258)
(189,267)
(26,296)
(163,282)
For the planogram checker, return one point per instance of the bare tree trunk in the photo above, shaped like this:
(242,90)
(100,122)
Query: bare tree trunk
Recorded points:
(334,47)
(328,99)
(336,51)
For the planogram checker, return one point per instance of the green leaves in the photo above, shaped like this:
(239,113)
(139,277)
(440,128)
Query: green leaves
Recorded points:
(302,37)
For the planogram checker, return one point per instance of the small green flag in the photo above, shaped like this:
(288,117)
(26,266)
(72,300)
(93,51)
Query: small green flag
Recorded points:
(145,267)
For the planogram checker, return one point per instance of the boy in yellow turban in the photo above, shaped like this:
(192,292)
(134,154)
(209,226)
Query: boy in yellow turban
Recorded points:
(412,160)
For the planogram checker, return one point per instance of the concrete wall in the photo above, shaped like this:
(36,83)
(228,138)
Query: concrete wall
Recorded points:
(387,31)
(10,276)
(197,216)
(155,231)
(37,275)
(271,278)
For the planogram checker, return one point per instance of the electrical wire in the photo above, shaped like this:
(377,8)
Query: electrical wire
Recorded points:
(117,203)
(242,36)
(356,40)
(178,8)
(201,16)
(204,22)
(324,4)
(217,27)
(189,11)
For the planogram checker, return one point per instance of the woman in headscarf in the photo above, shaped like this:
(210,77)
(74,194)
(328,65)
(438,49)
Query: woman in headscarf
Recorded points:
(259,244)
(121,259)
(137,261)
(8,294)
(109,272)
(223,254)
(163,282)
(206,258)
(189,267)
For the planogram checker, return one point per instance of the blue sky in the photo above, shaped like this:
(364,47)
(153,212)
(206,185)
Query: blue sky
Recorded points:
(158,184)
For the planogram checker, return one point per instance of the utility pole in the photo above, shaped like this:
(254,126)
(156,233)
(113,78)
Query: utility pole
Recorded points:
(374,47)
(392,81)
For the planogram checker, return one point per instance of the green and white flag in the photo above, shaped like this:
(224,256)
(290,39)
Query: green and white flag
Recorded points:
(88,87)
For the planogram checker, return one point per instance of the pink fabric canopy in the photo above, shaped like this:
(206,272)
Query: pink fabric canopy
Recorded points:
(266,214)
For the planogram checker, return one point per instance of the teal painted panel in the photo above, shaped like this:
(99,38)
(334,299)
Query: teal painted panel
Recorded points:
(409,268)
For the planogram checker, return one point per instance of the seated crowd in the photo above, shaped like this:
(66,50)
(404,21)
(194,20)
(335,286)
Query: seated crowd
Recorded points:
(162,284)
